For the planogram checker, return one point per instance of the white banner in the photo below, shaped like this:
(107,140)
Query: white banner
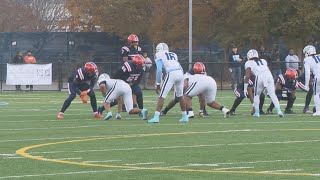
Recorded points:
(29,74)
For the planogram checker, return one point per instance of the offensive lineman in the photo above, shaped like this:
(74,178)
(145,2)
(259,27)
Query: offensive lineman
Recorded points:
(263,80)
(312,63)
(174,76)
(199,83)
(112,89)
(175,100)
(81,82)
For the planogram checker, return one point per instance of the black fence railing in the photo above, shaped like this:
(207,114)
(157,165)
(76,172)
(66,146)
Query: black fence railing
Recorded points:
(62,70)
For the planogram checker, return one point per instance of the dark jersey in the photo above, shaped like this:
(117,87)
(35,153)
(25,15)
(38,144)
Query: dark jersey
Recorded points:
(250,83)
(130,51)
(129,73)
(286,83)
(80,77)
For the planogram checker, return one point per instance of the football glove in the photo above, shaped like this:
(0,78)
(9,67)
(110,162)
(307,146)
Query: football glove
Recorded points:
(83,98)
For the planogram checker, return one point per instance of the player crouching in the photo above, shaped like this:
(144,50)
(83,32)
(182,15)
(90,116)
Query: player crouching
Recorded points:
(113,89)
(286,90)
(199,83)
(81,82)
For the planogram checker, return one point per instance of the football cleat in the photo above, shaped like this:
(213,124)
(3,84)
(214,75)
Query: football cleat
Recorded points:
(144,114)
(280,114)
(118,116)
(108,116)
(288,111)
(269,111)
(60,115)
(201,114)
(97,115)
(154,120)
(190,114)
(256,115)
(100,110)
(226,112)
(232,113)
(316,114)
(184,119)
(162,113)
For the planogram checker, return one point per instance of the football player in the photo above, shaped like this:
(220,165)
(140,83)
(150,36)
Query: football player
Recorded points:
(174,77)
(309,95)
(286,89)
(131,72)
(201,84)
(264,80)
(239,93)
(81,82)
(175,100)
(312,64)
(113,89)
(133,48)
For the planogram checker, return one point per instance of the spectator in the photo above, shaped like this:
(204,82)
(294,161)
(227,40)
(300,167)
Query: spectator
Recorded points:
(29,59)
(148,64)
(275,64)
(264,55)
(18,59)
(292,60)
(235,60)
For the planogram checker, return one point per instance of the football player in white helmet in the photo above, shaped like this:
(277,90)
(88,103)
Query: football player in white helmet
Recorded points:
(113,89)
(174,77)
(312,64)
(263,80)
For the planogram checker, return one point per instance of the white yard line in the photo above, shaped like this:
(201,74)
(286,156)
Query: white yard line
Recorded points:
(69,158)
(284,170)
(63,173)
(105,161)
(146,163)
(66,127)
(177,147)
(8,155)
(45,139)
(230,168)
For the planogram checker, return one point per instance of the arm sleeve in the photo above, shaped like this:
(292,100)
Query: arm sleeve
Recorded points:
(307,74)
(92,83)
(125,51)
(159,71)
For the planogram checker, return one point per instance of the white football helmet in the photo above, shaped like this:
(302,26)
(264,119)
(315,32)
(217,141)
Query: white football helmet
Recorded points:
(162,47)
(252,53)
(309,50)
(103,77)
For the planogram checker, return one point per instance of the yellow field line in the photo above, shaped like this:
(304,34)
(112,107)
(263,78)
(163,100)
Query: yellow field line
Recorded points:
(23,152)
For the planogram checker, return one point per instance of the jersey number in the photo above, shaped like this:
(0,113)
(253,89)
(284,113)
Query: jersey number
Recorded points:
(133,78)
(170,56)
(317,58)
(259,62)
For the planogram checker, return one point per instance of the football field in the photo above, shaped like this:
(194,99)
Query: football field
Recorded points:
(34,144)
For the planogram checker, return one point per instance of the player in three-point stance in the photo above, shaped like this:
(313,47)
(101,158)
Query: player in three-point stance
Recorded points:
(174,77)
(201,84)
(113,89)
(263,80)
(81,82)
(175,100)
(312,64)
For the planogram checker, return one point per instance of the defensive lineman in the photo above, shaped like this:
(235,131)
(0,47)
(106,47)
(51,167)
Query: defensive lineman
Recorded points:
(81,82)
(112,89)
(263,80)
(312,63)
(174,76)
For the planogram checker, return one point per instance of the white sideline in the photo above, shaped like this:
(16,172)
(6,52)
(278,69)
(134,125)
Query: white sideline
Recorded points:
(176,147)
(69,158)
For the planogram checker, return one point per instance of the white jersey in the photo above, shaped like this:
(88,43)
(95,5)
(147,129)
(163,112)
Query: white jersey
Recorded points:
(312,63)
(257,66)
(169,61)
(201,84)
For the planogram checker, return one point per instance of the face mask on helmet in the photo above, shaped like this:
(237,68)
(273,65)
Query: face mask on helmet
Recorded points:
(199,68)
(291,73)
(138,61)
(162,47)
(132,38)
(91,68)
